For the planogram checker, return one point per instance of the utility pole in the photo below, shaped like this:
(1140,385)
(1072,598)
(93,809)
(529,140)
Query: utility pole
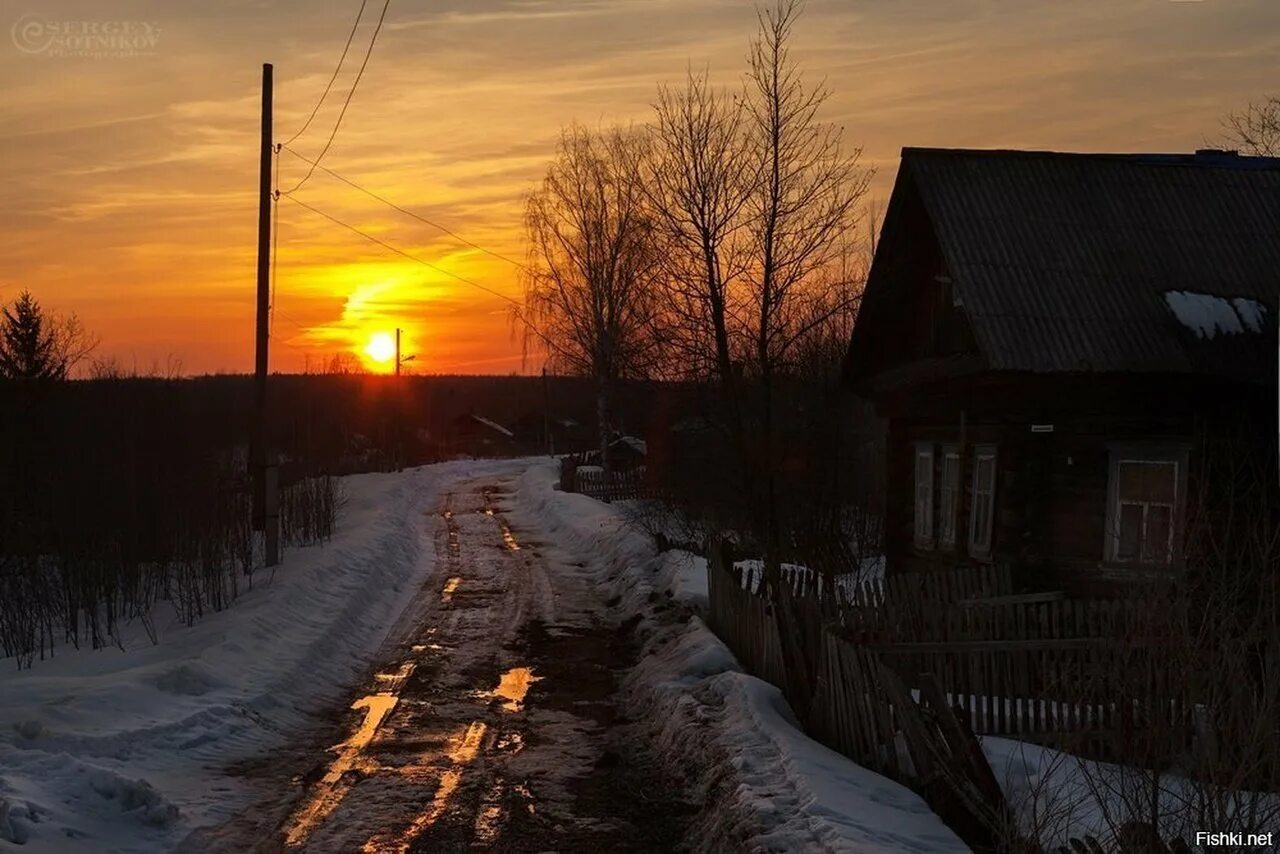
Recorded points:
(266,513)
(400,360)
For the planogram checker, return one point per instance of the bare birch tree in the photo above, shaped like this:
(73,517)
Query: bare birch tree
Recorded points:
(803,205)
(589,291)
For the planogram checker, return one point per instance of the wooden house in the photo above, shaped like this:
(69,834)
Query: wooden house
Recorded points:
(1053,339)
(475,435)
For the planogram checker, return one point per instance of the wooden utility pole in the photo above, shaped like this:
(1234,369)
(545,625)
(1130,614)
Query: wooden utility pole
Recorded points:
(266,514)
(397,351)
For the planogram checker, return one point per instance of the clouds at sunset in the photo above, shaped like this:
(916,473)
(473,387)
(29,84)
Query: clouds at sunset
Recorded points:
(129,191)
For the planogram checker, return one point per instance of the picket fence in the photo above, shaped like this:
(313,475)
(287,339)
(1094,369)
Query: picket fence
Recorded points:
(906,671)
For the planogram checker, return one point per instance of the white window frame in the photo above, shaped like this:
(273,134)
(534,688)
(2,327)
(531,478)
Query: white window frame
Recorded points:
(980,541)
(922,495)
(1175,455)
(949,519)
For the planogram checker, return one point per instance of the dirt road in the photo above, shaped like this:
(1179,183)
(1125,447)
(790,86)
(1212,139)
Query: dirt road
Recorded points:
(490,723)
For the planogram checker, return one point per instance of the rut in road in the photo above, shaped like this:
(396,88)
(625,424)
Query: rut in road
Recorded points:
(492,725)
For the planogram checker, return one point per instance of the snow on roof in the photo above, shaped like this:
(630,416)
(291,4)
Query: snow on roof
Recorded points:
(637,445)
(493,425)
(1208,314)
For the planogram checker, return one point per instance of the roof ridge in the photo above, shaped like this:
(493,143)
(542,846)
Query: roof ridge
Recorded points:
(1201,157)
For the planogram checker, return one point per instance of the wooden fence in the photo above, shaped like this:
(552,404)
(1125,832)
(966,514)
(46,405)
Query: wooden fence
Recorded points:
(906,671)
(859,706)
(618,486)
(1037,667)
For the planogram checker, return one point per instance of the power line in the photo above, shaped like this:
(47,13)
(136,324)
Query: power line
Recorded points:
(516,305)
(403,210)
(301,327)
(408,255)
(341,59)
(275,232)
(347,102)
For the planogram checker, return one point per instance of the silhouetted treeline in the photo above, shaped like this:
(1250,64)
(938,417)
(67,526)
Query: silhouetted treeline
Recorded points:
(119,494)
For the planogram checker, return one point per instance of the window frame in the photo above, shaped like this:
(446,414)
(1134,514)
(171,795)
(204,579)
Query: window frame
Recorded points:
(922,536)
(981,546)
(949,522)
(1150,452)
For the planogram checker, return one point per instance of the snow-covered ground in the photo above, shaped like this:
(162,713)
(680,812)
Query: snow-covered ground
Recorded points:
(116,750)
(127,750)
(764,784)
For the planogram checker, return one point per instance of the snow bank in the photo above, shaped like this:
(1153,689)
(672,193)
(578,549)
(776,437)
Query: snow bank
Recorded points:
(127,748)
(763,784)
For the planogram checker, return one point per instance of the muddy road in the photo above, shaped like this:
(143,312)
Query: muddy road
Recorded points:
(491,722)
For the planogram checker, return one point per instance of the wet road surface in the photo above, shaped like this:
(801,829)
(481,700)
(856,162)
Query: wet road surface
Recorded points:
(490,724)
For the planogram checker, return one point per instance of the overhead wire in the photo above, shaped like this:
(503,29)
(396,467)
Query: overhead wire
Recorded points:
(328,87)
(347,103)
(518,307)
(405,211)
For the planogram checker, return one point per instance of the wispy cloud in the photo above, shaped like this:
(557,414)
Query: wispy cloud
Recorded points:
(130,184)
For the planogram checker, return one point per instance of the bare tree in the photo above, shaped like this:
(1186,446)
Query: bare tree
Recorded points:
(1256,128)
(804,203)
(698,180)
(589,290)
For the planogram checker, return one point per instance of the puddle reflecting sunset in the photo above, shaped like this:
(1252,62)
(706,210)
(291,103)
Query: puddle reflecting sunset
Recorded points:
(333,787)
(513,687)
(464,750)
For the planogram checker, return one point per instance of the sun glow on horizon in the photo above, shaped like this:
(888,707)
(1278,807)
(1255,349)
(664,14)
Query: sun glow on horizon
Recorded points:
(381,348)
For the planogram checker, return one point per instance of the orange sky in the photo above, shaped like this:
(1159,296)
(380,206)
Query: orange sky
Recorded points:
(129,182)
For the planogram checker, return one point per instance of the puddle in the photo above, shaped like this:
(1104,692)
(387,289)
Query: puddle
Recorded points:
(455,547)
(513,686)
(446,595)
(489,819)
(396,676)
(333,787)
(463,752)
(510,741)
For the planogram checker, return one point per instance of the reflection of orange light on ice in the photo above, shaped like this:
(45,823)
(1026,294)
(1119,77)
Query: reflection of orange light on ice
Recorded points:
(486,826)
(461,754)
(333,787)
(509,540)
(449,587)
(513,687)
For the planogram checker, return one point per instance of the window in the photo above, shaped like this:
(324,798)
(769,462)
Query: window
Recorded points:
(924,496)
(949,496)
(983,506)
(1145,505)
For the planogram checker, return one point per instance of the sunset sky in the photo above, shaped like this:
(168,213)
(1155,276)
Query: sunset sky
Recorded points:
(130,182)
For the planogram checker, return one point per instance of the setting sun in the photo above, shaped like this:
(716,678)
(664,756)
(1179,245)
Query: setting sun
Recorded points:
(381,348)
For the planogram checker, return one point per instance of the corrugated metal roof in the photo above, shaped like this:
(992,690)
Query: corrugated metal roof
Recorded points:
(1063,261)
